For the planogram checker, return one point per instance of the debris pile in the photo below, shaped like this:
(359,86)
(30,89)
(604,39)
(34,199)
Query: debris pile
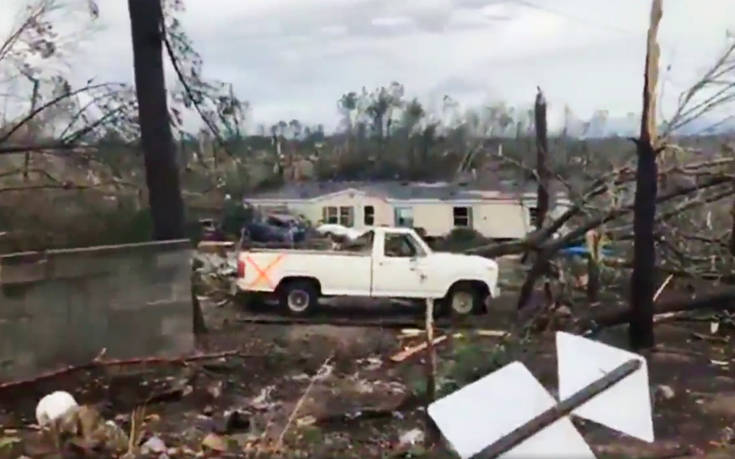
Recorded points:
(215,274)
(76,430)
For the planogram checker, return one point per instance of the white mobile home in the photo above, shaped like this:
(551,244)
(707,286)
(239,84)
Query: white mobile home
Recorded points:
(436,207)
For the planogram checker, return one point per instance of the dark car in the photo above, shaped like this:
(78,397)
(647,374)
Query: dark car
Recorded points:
(275,228)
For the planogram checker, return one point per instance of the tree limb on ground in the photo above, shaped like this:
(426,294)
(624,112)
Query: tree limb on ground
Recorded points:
(99,363)
(723,299)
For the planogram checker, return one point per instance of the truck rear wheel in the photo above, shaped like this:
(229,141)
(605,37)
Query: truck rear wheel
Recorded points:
(299,297)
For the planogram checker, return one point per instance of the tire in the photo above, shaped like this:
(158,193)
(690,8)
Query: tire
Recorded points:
(463,300)
(299,297)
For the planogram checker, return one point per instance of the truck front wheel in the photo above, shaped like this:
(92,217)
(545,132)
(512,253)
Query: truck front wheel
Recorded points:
(299,298)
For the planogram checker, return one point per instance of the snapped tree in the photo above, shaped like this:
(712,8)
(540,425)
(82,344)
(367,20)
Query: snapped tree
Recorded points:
(642,282)
(542,153)
(161,168)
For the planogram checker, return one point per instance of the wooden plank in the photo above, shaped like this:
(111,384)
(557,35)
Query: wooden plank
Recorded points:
(408,352)
(492,333)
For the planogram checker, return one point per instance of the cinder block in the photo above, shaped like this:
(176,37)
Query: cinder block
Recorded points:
(178,345)
(48,300)
(20,365)
(13,308)
(24,271)
(174,259)
(79,264)
(181,289)
(177,325)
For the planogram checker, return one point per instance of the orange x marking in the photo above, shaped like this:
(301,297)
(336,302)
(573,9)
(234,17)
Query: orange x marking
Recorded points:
(263,273)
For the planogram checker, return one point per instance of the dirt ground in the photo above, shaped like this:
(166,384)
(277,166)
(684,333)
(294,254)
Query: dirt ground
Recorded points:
(358,402)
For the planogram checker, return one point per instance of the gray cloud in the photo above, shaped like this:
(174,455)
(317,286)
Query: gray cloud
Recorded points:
(293,58)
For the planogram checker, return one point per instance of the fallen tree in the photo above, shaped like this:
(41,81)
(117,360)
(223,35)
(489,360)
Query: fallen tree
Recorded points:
(723,299)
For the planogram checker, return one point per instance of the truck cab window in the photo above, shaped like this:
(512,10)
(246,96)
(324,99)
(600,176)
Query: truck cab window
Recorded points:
(363,244)
(401,246)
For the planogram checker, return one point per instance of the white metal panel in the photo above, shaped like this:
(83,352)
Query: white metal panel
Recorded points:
(626,406)
(481,413)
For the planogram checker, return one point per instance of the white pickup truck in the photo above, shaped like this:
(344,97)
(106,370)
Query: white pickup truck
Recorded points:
(383,262)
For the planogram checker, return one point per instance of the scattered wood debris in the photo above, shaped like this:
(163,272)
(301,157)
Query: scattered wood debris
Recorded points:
(408,352)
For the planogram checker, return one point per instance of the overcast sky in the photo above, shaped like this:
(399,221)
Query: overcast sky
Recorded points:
(294,58)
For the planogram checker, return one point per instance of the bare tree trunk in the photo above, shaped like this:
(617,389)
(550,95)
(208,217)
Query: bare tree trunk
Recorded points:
(430,371)
(593,280)
(198,325)
(34,101)
(430,352)
(542,154)
(594,258)
(162,172)
(539,267)
(732,235)
(644,253)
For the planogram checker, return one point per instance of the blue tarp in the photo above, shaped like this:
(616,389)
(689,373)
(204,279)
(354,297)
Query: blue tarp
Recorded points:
(582,250)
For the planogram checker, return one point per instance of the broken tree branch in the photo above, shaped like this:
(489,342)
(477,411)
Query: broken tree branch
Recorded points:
(98,363)
(23,121)
(549,249)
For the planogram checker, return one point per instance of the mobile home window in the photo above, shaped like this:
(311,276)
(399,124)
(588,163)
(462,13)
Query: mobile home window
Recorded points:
(462,217)
(330,215)
(404,217)
(369,215)
(346,216)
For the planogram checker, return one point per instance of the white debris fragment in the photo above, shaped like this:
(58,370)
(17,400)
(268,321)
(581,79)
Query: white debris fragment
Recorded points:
(54,406)
(665,392)
(371,363)
(262,400)
(153,445)
(324,372)
(412,437)
(300,377)
(363,386)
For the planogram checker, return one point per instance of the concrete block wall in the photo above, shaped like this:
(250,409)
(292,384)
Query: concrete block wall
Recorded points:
(61,307)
